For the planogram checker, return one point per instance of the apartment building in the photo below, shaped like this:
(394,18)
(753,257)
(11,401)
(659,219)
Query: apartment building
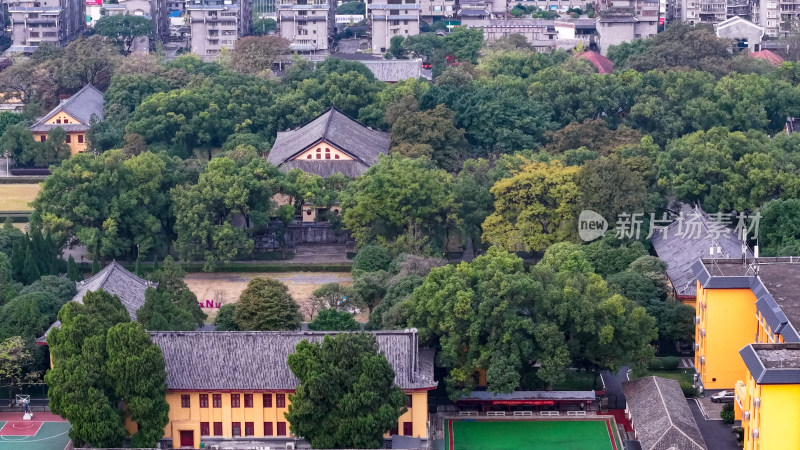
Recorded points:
(54,21)
(390,18)
(217,24)
(437,10)
(155,10)
(474,13)
(625,20)
(554,5)
(778,17)
(307,24)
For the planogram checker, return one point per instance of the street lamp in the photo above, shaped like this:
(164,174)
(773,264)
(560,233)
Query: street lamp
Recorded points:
(7,156)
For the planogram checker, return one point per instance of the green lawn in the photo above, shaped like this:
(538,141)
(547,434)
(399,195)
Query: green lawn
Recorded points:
(530,435)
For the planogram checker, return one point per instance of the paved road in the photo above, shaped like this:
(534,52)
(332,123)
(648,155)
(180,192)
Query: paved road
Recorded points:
(613,387)
(717,435)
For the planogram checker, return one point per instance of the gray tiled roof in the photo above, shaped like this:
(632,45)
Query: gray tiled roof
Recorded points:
(773,363)
(82,106)
(681,252)
(360,142)
(660,415)
(326,168)
(389,70)
(257,360)
(530,395)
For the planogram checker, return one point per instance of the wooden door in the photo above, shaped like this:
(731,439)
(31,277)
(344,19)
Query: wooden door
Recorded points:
(187,438)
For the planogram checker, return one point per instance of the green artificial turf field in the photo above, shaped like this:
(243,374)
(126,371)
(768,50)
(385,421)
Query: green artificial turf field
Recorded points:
(530,435)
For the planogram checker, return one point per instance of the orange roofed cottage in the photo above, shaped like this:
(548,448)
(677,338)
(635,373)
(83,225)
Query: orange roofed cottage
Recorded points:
(226,386)
(74,115)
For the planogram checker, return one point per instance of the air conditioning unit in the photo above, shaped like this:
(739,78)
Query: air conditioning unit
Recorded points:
(757,402)
(290,446)
(746,415)
(703,332)
(696,346)
(702,360)
(755,433)
(696,319)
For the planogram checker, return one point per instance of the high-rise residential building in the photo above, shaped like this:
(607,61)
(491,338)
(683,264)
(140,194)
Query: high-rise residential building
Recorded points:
(54,21)
(778,17)
(307,24)
(217,24)
(390,18)
(625,20)
(437,10)
(264,7)
(155,10)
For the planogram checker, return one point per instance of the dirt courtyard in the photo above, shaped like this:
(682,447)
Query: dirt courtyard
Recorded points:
(15,197)
(222,288)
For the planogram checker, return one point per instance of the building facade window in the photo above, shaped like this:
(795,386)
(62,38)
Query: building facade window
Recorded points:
(80,139)
(249,429)
(281,428)
(248,400)
(68,139)
(217,428)
(204,430)
(267,400)
(237,428)
(267,428)
(217,398)
(42,138)
(408,428)
(186,401)
(204,400)
(280,400)
(235,401)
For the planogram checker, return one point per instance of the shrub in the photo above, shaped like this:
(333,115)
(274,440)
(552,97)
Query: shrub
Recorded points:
(688,389)
(670,362)
(224,320)
(655,364)
(727,414)
(372,258)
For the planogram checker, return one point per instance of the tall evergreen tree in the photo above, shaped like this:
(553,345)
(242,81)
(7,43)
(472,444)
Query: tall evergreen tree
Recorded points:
(30,270)
(18,259)
(95,264)
(73,271)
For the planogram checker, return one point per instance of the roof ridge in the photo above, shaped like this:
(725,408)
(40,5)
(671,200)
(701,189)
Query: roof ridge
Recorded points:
(669,415)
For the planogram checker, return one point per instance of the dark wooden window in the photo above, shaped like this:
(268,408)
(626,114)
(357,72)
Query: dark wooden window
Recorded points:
(248,429)
(267,400)
(237,428)
(42,138)
(204,400)
(204,431)
(186,401)
(408,401)
(408,428)
(281,428)
(69,139)
(248,400)
(217,428)
(267,428)
(280,400)
(80,139)
(217,398)
(235,401)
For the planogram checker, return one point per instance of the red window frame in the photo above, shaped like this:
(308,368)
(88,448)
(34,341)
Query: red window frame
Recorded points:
(267,400)
(280,400)
(408,428)
(80,139)
(204,429)
(217,399)
(281,429)
(235,401)
(217,428)
(68,140)
(249,429)
(408,400)
(267,428)
(204,400)
(236,428)
(186,401)
(248,400)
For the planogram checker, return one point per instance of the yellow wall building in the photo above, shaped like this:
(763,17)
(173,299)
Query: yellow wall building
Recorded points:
(739,303)
(236,385)
(74,115)
(768,398)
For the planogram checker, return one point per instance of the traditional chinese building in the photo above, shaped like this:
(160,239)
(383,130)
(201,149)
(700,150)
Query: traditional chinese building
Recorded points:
(693,235)
(236,385)
(73,115)
(331,143)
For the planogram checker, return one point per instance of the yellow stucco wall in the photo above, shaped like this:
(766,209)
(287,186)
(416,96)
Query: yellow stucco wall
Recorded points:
(776,417)
(324,150)
(189,419)
(728,317)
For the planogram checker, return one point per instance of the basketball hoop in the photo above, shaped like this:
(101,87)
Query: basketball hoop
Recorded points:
(25,401)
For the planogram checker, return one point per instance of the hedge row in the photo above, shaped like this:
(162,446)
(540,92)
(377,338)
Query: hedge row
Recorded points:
(22,180)
(274,267)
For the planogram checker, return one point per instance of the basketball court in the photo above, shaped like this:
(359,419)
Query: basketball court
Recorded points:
(45,431)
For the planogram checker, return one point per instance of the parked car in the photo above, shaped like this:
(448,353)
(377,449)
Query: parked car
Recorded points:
(723,397)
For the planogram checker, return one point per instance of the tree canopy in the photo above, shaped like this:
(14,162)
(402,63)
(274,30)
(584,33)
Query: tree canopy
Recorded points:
(265,305)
